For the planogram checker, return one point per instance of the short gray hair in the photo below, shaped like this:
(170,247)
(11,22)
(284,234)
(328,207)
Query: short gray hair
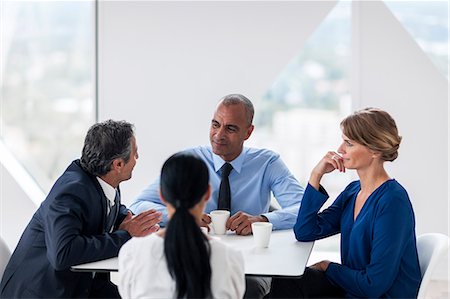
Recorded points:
(105,142)
(235,98)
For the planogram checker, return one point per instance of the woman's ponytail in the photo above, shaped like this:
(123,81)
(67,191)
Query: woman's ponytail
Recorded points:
(184,182)
(187,252)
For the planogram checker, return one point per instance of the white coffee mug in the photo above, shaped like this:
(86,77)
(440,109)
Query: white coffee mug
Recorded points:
(219,220)
(261,233)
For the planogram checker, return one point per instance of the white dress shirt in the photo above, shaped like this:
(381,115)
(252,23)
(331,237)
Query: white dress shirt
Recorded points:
(109,191)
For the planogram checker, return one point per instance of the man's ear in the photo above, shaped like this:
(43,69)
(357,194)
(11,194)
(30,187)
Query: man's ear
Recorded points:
(249,131)
(117,164)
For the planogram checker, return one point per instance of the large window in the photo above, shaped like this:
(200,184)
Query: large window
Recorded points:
(47,82)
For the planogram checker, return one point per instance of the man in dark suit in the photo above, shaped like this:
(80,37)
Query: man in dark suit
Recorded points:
(80,221)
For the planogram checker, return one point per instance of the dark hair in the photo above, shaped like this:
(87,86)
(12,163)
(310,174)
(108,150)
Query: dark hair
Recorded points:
(184,181)
(234,99)
(374,128)
(105,142)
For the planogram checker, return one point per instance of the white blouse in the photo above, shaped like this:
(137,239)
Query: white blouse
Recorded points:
(144,273)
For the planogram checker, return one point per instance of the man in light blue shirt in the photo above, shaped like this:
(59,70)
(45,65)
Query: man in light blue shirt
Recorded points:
(255,173)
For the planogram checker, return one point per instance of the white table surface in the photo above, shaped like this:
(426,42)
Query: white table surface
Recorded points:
(285,256)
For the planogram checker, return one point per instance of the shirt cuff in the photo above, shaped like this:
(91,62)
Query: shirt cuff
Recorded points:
(323,191)
(274,219)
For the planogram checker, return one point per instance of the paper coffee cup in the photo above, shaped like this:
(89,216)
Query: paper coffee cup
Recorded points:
(261,233)
(219,220)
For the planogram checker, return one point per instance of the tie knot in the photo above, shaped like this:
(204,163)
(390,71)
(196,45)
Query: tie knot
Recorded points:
(226,169)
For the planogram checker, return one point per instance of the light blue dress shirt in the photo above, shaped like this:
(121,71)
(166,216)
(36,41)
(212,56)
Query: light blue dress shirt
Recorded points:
(256,173)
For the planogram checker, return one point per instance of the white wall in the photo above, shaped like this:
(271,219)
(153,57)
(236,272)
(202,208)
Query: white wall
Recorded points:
(165,65)
(396,75)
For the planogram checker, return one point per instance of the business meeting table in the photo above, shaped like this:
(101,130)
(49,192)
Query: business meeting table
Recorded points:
(285,256)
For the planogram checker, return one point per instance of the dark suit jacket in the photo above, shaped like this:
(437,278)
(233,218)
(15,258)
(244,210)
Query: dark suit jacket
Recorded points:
(67,229)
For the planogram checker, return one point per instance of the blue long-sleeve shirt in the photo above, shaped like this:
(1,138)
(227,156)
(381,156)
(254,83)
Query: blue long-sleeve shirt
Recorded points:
(256,173)
(378,249)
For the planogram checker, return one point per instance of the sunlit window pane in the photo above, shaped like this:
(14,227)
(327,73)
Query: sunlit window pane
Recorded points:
(47,82)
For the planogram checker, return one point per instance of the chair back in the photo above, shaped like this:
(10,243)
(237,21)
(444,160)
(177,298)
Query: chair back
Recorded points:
(5,254)
(431,248)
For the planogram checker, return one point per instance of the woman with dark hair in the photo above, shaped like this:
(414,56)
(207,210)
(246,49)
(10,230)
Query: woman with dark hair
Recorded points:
(181,261)
(373,215)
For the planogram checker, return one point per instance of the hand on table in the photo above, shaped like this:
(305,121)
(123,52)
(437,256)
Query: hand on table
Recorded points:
(142,224)
(321,266)
(241,223)
(206,221)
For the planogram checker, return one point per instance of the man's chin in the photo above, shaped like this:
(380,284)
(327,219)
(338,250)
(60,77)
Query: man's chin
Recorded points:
(217,151)
(127,178)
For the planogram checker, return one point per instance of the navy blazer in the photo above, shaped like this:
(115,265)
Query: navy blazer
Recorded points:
(67,229)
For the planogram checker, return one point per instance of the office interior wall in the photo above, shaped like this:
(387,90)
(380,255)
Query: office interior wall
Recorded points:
(165,65)
(396,75)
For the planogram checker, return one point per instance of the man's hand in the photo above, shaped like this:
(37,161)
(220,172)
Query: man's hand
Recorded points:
(241,223)
(321,266)
(142,224)
(206,220)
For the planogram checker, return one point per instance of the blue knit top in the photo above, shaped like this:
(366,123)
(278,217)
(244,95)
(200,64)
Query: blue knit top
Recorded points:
(378,248)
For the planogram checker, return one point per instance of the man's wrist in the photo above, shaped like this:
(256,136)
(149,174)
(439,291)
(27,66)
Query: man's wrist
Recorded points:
(263,218)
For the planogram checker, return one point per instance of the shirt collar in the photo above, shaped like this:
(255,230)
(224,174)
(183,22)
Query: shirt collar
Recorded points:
(109,190)
(236,163)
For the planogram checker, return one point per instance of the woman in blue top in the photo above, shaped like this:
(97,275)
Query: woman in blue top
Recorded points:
(373,215)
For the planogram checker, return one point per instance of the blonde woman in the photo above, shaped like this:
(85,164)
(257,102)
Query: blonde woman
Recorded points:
(374,216)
